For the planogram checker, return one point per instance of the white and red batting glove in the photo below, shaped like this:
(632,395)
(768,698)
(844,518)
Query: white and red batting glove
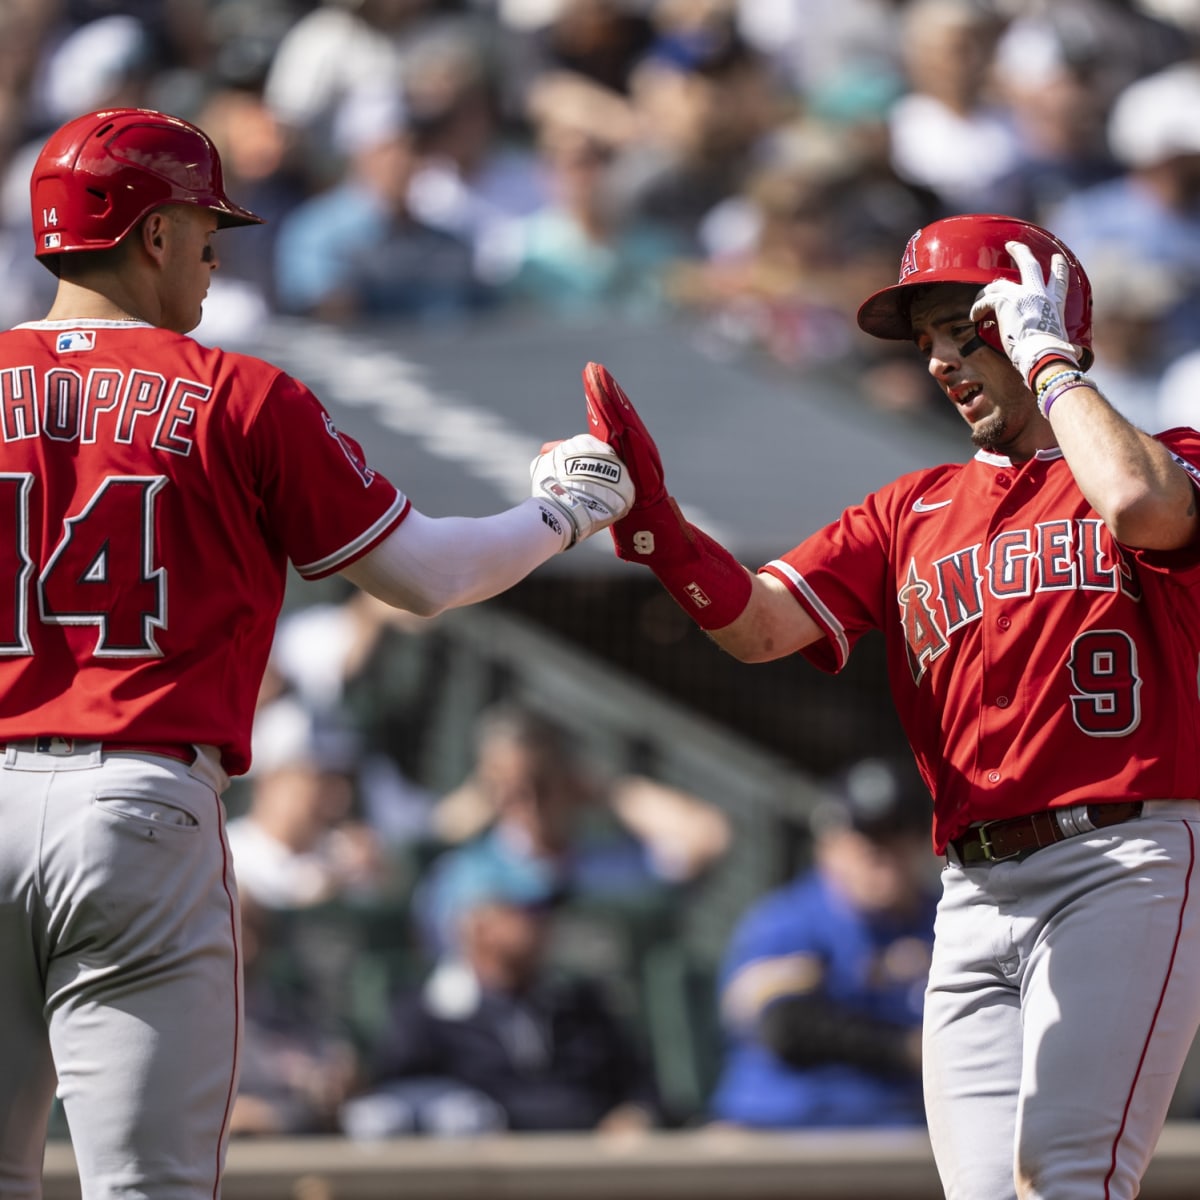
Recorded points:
(1030,315)
(708,583)
(581,485)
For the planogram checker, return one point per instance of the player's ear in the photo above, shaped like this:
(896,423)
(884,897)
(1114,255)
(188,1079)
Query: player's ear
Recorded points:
(153,233)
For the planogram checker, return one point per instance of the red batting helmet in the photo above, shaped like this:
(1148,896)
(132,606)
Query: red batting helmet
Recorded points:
(970,249)
(101,173)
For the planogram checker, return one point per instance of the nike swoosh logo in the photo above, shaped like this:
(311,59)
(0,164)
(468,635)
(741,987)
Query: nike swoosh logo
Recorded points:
(919,505)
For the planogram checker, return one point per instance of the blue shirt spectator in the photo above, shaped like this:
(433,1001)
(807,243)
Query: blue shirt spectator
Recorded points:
(822,987)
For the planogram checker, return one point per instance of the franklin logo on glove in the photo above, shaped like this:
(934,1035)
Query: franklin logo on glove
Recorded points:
(597,468)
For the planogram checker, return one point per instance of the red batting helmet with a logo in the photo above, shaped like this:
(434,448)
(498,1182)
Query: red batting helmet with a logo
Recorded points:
(971,249)
(101,173)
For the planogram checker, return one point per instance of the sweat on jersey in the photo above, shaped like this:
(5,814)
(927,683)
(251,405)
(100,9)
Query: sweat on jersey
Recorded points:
(154,490)
(1033,661)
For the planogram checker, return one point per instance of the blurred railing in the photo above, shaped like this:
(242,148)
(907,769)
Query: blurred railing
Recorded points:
(687,1165)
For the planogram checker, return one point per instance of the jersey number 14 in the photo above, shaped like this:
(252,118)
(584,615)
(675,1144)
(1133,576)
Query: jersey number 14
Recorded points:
(101,572)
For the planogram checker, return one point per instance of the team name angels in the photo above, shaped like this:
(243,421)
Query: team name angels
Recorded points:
(107,403)
(1054,556)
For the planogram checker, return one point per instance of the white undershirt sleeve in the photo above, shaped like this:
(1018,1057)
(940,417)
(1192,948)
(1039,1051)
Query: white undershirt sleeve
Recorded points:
(429,564)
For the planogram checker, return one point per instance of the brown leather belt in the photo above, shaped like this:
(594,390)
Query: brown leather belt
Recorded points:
(1014,838)
(47,744)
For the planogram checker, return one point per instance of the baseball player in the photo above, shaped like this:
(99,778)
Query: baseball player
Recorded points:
(1041,610)
(153,492)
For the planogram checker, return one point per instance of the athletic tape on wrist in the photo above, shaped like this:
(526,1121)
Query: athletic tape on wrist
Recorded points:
(704,579)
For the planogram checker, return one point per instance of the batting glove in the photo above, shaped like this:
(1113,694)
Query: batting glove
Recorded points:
(1030,315)
(706,580)
(582,486)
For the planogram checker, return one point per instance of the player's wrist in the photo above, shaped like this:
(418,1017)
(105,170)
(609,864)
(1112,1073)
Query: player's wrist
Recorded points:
(704,579)
(1048,365)
(1056,381)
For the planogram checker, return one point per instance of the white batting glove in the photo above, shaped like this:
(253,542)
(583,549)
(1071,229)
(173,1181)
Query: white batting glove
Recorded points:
(1030,315)
(582,485)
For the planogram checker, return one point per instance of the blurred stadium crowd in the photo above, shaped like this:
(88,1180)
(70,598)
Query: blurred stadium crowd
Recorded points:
(753,165)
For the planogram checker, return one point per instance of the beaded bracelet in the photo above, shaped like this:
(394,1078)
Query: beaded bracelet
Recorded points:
(1048,395)
(1058,376)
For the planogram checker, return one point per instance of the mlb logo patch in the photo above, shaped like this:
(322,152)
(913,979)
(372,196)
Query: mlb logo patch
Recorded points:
(51,241)
(75,339)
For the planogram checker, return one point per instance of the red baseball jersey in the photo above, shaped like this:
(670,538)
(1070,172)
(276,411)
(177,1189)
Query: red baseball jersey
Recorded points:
(1033,661)
(154,491)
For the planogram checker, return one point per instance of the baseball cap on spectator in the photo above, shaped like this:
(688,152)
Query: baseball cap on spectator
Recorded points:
(1155,119)
(367,117)
(93,63)
(289,734)
(880,798)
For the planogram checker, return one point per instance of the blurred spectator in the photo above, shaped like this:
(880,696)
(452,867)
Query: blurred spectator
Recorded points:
(822,989)
(108,62)
(581,253)
(28,287)
(600,40)
(299,843)
(827,49)
(1060,118)
(703,100)
(1179,395)
(1111,42)
(338,658)
(257,157)
(23,30)
(294,1074)
(473,179)
(357,250)
(1150,214)
(321,649)
(948,48)
(333,51)
(1132,299)
(530,815)
(497,1039)
(793,253)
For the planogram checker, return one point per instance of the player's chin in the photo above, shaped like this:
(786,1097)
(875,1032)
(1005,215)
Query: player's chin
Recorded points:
(990,432)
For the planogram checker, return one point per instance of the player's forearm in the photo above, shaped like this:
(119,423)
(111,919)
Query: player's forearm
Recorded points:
(430,564)
(772,625)
(1144,497)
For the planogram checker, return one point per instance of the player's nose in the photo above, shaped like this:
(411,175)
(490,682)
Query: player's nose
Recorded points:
(944,357)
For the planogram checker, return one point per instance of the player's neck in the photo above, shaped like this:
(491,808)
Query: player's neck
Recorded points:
(76,302)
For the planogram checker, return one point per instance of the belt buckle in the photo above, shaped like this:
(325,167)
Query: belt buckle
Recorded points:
(985,844)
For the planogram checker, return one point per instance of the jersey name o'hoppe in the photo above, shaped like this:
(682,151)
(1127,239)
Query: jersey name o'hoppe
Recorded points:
(942,597)
(108,403)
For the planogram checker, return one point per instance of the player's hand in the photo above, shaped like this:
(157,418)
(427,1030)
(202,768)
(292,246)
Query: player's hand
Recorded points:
(1030,315)
(613,419)
(582,485)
